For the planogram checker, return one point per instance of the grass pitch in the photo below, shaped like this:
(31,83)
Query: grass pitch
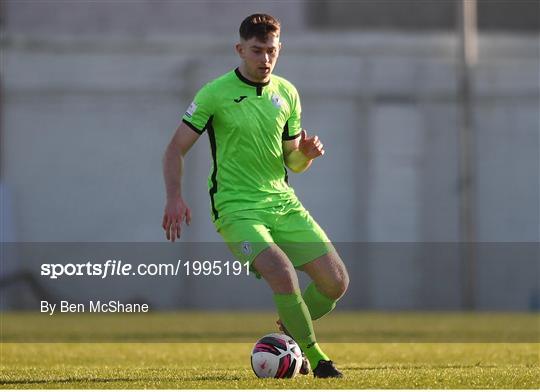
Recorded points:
(446,363)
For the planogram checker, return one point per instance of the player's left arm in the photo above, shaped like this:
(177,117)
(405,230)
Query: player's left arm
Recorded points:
(300,152)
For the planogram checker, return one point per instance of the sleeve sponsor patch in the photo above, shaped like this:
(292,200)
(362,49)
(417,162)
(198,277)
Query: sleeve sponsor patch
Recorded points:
(191,109)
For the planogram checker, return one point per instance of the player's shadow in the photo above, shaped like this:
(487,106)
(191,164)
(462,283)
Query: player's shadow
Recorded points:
(424,367)
(212,378)
(64,380)
(109,380)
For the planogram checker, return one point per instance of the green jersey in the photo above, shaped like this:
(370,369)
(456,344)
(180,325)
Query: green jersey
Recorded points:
(246,124)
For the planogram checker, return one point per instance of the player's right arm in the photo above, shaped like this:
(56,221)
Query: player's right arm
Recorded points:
(176,209)
(194,123)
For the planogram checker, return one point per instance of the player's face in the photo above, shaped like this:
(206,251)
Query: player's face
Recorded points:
(259,58)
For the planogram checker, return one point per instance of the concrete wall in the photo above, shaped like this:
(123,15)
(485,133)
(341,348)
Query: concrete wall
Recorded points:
(85,124)
(143,17)
(415,15)
(85,119)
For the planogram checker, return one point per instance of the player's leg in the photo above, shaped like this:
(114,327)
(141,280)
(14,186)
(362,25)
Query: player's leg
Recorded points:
(304,242)
(276,269)
(329,282)
(274,266)
(248,237)
(310,250)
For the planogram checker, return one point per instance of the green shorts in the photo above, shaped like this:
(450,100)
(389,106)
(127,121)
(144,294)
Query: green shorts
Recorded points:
(291,227)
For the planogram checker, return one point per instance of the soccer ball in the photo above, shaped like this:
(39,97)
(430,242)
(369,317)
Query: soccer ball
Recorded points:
(276,355)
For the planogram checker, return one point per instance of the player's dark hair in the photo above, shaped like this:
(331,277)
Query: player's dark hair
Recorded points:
(260,26)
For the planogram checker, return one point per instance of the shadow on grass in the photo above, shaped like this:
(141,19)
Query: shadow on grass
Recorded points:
(112,380)
(64,381)
(424,367)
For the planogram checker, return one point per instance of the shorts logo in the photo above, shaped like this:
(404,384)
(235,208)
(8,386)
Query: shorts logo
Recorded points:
(246,248)
(191,109)
(277,100)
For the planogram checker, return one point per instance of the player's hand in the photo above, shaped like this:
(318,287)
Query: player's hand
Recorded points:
(176,211)
(311,147)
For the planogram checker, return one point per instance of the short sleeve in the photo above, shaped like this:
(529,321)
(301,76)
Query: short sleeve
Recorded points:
(200,110)
(293,128)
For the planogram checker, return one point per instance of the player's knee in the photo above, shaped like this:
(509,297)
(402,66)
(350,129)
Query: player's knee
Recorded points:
(337,289)
(338,286)
(281,272)
(277,270)
(340,282)
(343,284)
(282,281)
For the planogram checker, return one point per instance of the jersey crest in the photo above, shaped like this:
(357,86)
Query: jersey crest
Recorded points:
(277,100)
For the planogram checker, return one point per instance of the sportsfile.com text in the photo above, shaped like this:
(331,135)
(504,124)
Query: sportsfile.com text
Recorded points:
(112,268)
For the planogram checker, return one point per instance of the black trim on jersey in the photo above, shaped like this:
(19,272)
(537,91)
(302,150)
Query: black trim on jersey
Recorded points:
(212,137)
(285,135)
(259,86)
(286,175)
(193,127)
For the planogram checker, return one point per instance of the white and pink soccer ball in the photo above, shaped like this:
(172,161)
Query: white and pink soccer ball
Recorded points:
(276,355)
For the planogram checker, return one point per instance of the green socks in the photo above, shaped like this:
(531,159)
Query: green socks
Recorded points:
(318,304)
(294,314)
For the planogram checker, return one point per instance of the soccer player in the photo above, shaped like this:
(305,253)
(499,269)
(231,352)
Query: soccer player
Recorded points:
(253,122)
